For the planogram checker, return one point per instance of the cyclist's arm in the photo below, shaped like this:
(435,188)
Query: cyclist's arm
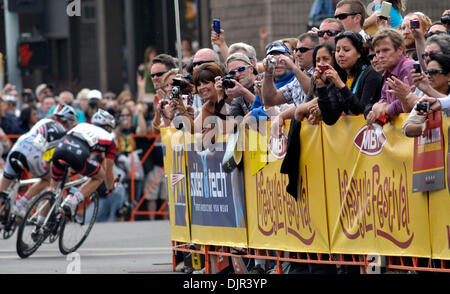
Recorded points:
(109,173)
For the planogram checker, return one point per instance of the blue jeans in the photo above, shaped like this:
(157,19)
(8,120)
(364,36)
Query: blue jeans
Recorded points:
(108,206)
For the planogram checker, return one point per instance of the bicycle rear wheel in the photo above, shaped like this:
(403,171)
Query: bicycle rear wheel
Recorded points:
(32,234)
(75,230)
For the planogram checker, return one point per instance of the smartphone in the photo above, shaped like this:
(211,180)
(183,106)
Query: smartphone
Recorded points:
(322,68)
(385,10)
(414,24)
(216,25)
(417,67)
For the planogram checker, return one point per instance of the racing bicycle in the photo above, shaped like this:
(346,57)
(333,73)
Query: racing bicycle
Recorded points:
(56,222)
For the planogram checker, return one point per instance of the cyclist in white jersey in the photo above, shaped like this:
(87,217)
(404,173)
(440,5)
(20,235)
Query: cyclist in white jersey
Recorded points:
(29,149)
(79,148)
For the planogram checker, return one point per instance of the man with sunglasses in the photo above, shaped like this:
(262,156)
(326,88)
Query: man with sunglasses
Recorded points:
(352,14)
(161,64)
(304,50)
(328,30)
(243,94)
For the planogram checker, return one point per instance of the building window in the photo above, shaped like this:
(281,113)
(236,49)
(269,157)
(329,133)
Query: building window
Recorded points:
(89,12)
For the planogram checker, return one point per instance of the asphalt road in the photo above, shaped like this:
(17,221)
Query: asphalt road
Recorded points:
(112,248)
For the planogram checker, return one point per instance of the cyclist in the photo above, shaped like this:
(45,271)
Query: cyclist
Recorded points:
(29,149)
(82,149)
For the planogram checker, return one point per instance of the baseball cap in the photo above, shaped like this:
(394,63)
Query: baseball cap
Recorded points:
(42,87)
(238,57)
(95,94)
(277,46)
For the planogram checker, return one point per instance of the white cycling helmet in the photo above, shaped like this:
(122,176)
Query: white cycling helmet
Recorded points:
(66,112)
(103,118)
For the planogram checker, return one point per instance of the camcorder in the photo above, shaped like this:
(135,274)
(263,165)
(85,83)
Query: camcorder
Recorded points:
(423,106)
(227,82)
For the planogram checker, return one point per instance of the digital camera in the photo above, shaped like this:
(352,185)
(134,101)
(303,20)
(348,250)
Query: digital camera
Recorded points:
(227,82)
(273,62)
(423,106)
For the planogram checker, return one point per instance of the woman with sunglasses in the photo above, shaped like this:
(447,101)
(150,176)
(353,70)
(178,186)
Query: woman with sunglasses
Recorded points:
(434,82)
(354,85)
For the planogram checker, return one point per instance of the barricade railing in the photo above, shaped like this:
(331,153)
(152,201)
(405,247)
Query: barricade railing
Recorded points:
(136,211)
(366,264)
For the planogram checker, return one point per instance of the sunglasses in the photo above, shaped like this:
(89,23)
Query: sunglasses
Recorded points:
(198,63)
(158,74)
(433,72)
(371,56)
(240,69)
(426,55)
(427,35)
(302,49)
(345,15)
(330,33)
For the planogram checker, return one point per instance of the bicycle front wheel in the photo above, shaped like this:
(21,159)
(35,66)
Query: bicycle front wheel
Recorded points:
(75,229)
(31,232)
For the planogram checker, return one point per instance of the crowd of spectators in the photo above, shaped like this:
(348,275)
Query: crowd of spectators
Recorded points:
(353,63)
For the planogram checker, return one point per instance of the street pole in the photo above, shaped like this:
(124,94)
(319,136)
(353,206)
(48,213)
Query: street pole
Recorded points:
(177,23)
(12,37)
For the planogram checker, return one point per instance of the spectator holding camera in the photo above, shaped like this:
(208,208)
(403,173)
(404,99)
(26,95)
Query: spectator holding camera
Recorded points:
(434,82)
(414,27)
(293,92)
(356,86)
(389,47)
(239,87)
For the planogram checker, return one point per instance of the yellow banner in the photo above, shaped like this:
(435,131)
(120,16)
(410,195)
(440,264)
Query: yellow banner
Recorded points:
(371,209)
(175,168)
(276,220)
(439,202)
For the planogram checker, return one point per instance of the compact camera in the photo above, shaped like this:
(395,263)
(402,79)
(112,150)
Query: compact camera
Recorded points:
(322,68)
(227,82)
(273,62)
(414,24)
(423,106)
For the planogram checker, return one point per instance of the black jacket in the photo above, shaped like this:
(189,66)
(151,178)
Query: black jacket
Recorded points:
(333,101)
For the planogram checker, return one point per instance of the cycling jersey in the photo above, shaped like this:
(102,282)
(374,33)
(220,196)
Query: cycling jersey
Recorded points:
(30,147)
(96,137)
(77,146)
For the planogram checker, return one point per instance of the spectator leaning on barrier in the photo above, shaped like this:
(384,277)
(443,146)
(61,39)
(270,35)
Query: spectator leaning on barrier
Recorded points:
(323,55)
(352,14)
(328,29)
(356,85)
(389,47)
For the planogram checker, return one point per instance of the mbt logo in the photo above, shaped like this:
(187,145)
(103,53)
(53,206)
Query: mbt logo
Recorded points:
(370,139)
(278,146)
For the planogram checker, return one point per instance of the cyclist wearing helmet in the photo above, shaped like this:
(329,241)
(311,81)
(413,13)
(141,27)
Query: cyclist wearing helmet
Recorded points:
(29,149)
(79,148)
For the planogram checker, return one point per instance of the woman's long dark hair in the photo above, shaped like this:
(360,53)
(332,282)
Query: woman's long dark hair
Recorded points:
(358,42)
(25,117)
